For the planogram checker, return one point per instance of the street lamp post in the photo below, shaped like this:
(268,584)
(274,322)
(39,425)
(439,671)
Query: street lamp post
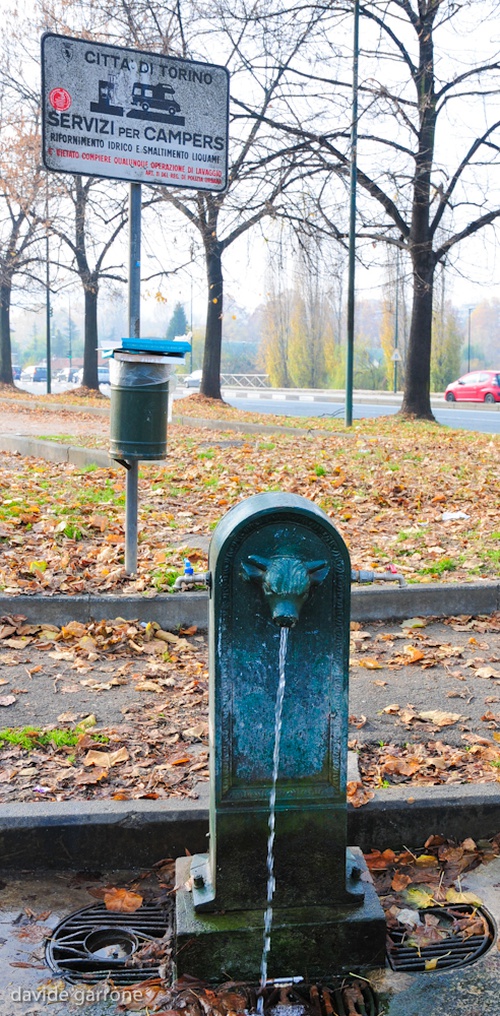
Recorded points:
(470,309)
(48,353)
(396,325)
(70,349)
(352,224)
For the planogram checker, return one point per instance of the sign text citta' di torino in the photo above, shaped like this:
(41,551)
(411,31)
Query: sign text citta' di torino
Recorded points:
(127,115)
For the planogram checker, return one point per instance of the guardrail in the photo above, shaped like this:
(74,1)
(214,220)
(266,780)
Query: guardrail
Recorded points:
(245,380)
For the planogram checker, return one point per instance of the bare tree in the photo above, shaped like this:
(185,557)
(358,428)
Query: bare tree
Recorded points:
(259,45)
(21,188)
(412,196)
(269,176)
(98,214)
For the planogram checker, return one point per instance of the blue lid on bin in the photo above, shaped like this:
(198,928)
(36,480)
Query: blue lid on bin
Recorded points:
(172,347)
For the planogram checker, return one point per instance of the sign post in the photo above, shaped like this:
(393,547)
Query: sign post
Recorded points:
(134,330)
(123,114)
(396,358)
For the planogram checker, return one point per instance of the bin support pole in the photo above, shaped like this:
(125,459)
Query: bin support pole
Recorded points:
(131,487)
(134,324)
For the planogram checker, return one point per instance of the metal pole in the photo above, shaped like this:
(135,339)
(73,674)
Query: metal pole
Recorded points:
(131,506)
(70,337)
(468,340)
(352,224)
(191,325)
(134,324)
(48,353)
(134,283)
(396,322)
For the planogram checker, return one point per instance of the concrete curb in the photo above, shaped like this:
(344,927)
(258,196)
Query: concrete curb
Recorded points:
(53,451)
(81,834)
(243,428)
(173,610)
(53,407)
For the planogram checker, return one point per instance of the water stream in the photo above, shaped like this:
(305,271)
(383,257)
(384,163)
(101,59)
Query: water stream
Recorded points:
(271,884)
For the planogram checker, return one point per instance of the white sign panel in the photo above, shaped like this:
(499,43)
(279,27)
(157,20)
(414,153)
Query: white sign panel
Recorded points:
(127,115)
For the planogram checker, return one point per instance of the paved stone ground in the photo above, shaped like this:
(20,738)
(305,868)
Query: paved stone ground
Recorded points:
(44,423)
(458,674)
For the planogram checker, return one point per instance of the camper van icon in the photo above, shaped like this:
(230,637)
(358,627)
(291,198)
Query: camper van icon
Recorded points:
(159,96)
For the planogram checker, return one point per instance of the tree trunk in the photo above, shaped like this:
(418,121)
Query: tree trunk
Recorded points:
(416,400)
(210,382)
(5,343)
(90,377)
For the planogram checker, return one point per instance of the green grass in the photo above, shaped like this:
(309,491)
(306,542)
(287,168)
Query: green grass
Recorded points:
(164,578)
(71,531)
(59,438)
(445,564)
(415,535)
(494,556)
(104,494)
(29,738)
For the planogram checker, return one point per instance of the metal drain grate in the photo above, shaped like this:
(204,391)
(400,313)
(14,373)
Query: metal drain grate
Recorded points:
(455,950)
(347,996)
(94,943)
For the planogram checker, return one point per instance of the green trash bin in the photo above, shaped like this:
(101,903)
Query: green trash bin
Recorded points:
(139,405)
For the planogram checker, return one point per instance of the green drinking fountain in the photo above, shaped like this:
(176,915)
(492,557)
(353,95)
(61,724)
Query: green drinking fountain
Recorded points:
(277,564)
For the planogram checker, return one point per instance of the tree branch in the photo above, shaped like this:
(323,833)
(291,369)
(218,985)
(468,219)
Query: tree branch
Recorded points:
(473,227)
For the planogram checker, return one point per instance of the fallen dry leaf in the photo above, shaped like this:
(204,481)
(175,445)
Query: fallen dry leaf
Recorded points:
(439,718)
(357,721)
(400,882)
(106,759)
(456,896)
(142,996)
(419,898)
(357,795)
(413,654)
(122,901)
(370,663)
(197,732)
(487,672)
(33,933)
(7,700)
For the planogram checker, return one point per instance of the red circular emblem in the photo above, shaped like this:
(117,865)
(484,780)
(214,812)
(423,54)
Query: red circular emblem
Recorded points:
(60,99)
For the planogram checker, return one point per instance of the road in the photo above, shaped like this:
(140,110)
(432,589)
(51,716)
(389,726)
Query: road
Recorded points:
(56,387)
(479,418)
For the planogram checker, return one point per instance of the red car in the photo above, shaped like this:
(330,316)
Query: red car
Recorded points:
(478,386)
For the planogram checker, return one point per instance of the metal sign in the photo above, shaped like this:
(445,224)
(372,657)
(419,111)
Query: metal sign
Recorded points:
(396,356)
(128,115)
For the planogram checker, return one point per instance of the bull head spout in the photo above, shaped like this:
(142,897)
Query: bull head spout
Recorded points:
(286,582)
